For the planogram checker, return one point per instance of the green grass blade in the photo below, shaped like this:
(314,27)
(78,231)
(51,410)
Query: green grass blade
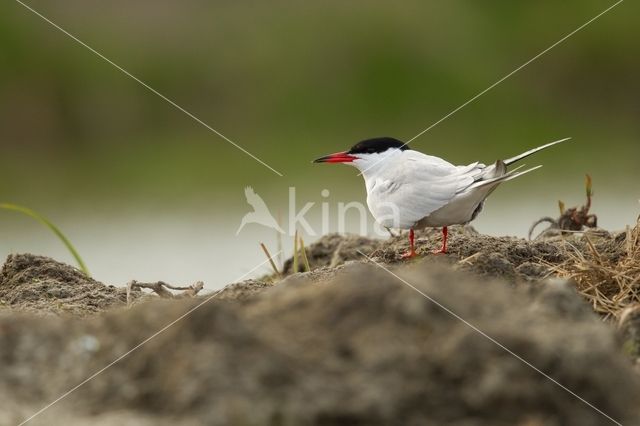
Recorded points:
(295,252)
(305,259)
(43,220)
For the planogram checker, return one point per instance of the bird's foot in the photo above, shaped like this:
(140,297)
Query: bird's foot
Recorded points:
(409,255)
(440,251)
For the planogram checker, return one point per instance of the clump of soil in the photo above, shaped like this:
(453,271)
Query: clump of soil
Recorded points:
(243,290)
(41,285)
(362,348)
(335,249)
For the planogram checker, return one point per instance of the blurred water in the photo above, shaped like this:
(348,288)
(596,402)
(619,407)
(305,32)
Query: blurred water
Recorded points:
(185,246)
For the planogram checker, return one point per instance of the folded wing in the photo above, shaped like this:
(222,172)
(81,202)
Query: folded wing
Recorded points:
(418,186)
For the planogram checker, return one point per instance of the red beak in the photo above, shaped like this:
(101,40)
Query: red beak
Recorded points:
(338,157)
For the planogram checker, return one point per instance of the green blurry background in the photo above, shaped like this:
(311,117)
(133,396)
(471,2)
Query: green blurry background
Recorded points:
(148,193)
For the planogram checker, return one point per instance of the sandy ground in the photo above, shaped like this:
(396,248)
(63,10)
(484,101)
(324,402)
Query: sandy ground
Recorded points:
(346,344)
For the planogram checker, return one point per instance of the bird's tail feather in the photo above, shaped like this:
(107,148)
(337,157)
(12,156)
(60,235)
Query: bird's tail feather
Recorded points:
(506,177)
(512,160)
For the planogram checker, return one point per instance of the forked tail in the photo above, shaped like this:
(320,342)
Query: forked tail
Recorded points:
(512,160)
(503,178)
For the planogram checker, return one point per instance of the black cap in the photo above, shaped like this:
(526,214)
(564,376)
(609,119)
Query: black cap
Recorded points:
(377,145)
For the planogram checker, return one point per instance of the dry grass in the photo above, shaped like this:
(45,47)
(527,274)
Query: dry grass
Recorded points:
(612,286)
(273,264)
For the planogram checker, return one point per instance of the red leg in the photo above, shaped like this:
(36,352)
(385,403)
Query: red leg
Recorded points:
(412,250)
(445,233)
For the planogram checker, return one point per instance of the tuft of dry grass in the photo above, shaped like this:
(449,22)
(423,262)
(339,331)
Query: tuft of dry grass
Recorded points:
(611,286)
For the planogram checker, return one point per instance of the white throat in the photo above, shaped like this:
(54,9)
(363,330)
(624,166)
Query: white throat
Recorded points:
(373,165)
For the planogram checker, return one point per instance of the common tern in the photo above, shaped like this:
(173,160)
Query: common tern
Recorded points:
(407,189)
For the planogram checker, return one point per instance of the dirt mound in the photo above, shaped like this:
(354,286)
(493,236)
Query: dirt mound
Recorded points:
(243,290)
(335,249)
(43,286)
(363,348)
(510,258)
(347,343)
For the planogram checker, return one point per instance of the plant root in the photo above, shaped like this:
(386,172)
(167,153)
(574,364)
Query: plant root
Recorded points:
(573,219)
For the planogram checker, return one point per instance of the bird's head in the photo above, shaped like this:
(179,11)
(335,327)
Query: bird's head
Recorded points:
(366,154)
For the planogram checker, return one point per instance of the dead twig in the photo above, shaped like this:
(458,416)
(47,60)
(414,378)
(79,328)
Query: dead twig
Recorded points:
(273,264)
(468,260)
(553,226)
(335,259)
(295,252)
(160,288)
(573,219)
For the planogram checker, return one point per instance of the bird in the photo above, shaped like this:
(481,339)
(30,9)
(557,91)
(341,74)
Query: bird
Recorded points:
(260,214)
(407,189)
